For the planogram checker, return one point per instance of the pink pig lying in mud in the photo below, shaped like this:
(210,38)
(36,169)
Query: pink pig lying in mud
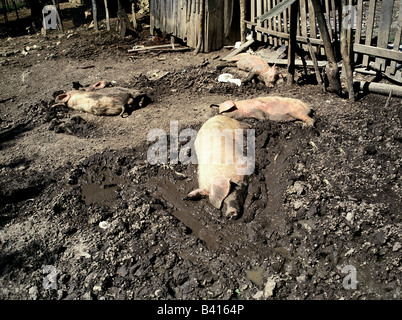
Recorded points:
(99,100)
(267,108)
(221,176)
(257,67)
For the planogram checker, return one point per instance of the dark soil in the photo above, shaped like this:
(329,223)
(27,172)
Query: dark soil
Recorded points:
(78,194)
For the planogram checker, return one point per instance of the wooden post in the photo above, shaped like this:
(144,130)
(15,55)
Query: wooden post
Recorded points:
(345,45)
(200,27)
(107,16)
(5,11)
(243,27)
(292,42)
(332,67)
(314,60)
(95,15)
(56,5)
(16,9)
(133,18)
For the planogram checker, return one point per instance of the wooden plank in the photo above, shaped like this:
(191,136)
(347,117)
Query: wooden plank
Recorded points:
(253,16)
(397,40)
(369,29)
(283,35)
(311,19)
(383,32)
(359,19)
(259,12)
(285,23)
(268,6)
(294,9)
(275,23)
(315,63)
(243,47)
(298,62)
(303,17)
(378,52)
(328,18)
(333,30)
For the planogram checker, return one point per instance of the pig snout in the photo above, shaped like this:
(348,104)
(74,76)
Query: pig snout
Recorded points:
(271,76)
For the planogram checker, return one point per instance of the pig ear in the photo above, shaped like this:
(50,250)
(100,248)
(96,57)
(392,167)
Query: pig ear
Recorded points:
(99,85)
(227,106)
(219,191)
(62,98)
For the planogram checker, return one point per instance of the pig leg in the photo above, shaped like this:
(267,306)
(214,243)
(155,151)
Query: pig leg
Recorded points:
(250,77)
(226,64)
(307,121)
(196,194)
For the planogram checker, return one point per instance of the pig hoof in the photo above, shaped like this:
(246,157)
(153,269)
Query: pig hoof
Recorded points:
(232,215)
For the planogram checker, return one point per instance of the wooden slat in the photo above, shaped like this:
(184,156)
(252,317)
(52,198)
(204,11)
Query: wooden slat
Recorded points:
(273,22)
(311,19)
(333,16)
(359,19)
(328,17)
(383,32)
(285,23)
(284,35)
(378,52)
(253,11)
(259,12)
(397,40)
(303,16)
(369,29)
(267,23)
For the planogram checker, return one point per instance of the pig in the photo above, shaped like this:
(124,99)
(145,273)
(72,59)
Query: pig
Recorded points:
(220,179)
(267,108)
(99,100)
(256,66)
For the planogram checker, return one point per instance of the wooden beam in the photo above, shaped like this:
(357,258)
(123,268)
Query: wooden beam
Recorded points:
(378,52)
(294,8)
(242,47)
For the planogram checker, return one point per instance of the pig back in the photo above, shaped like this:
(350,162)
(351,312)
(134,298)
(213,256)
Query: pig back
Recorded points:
(216,147)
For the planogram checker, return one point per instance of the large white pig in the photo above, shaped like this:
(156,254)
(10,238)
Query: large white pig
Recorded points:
(222,168)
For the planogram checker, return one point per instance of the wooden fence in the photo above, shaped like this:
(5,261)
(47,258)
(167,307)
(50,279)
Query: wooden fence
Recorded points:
(181,18)
(375,28)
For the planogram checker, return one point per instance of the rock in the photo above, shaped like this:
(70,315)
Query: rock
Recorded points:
(33,293)
(350,216)
(297,204)
(259,295)
(396,246)
(269,287)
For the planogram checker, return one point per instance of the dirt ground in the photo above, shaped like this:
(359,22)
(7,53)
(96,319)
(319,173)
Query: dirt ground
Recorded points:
(83,215)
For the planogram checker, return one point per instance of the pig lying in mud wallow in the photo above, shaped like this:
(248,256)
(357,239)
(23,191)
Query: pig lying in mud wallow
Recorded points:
(256,66)
(100,100)
(222,169)
(267,108)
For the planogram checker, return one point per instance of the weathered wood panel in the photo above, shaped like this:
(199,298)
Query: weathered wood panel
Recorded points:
(181,18)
